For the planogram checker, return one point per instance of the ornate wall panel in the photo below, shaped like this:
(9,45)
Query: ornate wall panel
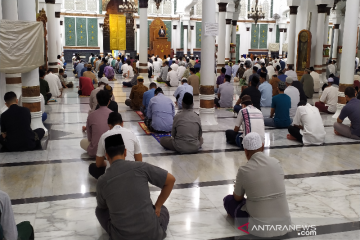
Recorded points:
(80,5)
(272,8)
(81,35)
(254,36)
(167,8)
(155,10)
(70,31)
(199,8)
(168,30)
(92,28)
(263,36)
(149,9)
(92,5)
(277,34)
(237,54)
(69,5)
(117,32)
(198,34)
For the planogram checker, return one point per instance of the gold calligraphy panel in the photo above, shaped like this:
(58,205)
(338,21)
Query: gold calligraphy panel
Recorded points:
(117,32)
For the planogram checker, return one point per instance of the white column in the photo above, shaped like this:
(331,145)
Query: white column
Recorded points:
(31,97)
(193,40)
(174,39)
(58,37)
(336,41)
(143,4)
(207,110)
(233,39)
(138,38)
(9,12)
(221,36)
(52,31)
(186,40)
(248,29)
(227,39)
(292,36)
(348,51)
(281,41)
(320,38)
(325,37)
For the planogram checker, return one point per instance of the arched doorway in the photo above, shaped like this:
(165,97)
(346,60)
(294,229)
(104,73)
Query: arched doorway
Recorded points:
(120,7)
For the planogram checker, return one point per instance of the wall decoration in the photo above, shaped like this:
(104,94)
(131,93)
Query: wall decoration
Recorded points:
(81,35)
(182,36)
(117,32)
(263,36)
(277,34)
(92,28)
(254,36)
(149,23)
(70,39)
(198,34)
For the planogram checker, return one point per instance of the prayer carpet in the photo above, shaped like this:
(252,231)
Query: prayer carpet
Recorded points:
(141,115)
(158,136)
(145,128)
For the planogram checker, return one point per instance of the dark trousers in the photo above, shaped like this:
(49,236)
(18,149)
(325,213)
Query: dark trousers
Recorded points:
(234,138)
(237,108)
(295,132)
(39,134)
(127,84)
(216,102)
(167,83)
(80,92)
(103,217)
(233,208)
(95,171)
(48,97)
(322,108)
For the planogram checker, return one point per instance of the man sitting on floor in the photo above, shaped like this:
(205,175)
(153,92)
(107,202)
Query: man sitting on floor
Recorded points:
(116,125)
(44,86)
(294,95)
(8,228)
(160,113)
(124,207)
(113,106)
(85,86)
(172,78)
(307,126)
(250,119)
(148,95)
(225,94)
(89,74)
(280,106)
(350,110)
(54,84)
(186,134)
(329,98)
(262,180)
(96,124)
(181,90)
(16,133)
(136,95)
(254,94)
(163,72)
(93,101)
(194,81)
(133,81)
(266,91)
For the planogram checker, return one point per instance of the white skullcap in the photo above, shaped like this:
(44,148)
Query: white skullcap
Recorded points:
(330,80)
(104,80)
(252,141)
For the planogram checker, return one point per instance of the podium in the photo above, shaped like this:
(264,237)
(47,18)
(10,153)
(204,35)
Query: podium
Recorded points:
(160,46)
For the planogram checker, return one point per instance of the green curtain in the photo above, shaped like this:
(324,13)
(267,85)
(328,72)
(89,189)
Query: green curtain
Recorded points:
(100,6)
(263,36)
(81,35)
(237,47)
(149,23)
(182,36)
(198,34)
(70,31)
(92,29)
(277,34)
(254,36)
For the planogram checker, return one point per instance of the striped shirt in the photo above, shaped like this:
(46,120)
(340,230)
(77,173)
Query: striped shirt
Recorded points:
(250,119)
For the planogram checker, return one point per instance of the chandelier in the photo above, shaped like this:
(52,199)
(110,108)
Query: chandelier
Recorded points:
(158,2)
(256,13)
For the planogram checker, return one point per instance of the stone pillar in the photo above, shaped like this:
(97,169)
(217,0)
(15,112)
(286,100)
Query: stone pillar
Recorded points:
(248,38)
(281,41)
(233,39)
(348,52)
(221,36)
(292,36)
(174,39)
(186,40)
(31,97)
(58,37)
(193,40)
(52,31)
(227,39)
(325,38)
(320,38)
(9,12)
(143,49)
(207,96)
(336,41)
(138,38)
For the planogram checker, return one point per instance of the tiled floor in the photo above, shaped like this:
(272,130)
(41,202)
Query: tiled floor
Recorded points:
(52,188)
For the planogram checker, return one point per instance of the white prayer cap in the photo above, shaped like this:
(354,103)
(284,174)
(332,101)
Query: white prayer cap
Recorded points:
(104,80)
(252,141)
(330,80)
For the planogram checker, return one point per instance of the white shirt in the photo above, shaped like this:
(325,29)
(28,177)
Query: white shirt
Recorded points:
(137,64)
(270,70)
(292,74)
(132,144)
(331,68)
(54,84)
(174,67)
(124,68)
(157,66)
(294,94)
(309,117)
(316,78)
(150,65)
(181,71)
(258,66)
(256,123)
(330,97)
(173,78)
(131,70)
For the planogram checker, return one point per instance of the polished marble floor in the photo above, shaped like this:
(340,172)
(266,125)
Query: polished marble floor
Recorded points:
(52,188)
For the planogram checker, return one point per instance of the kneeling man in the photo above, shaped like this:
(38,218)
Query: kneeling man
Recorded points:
(262,180)
(124,207)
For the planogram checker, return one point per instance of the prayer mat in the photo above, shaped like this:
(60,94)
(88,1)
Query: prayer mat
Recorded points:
(145,128)
(83,96)
(158,136)
(229,110)
(52,100)
(141,115)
